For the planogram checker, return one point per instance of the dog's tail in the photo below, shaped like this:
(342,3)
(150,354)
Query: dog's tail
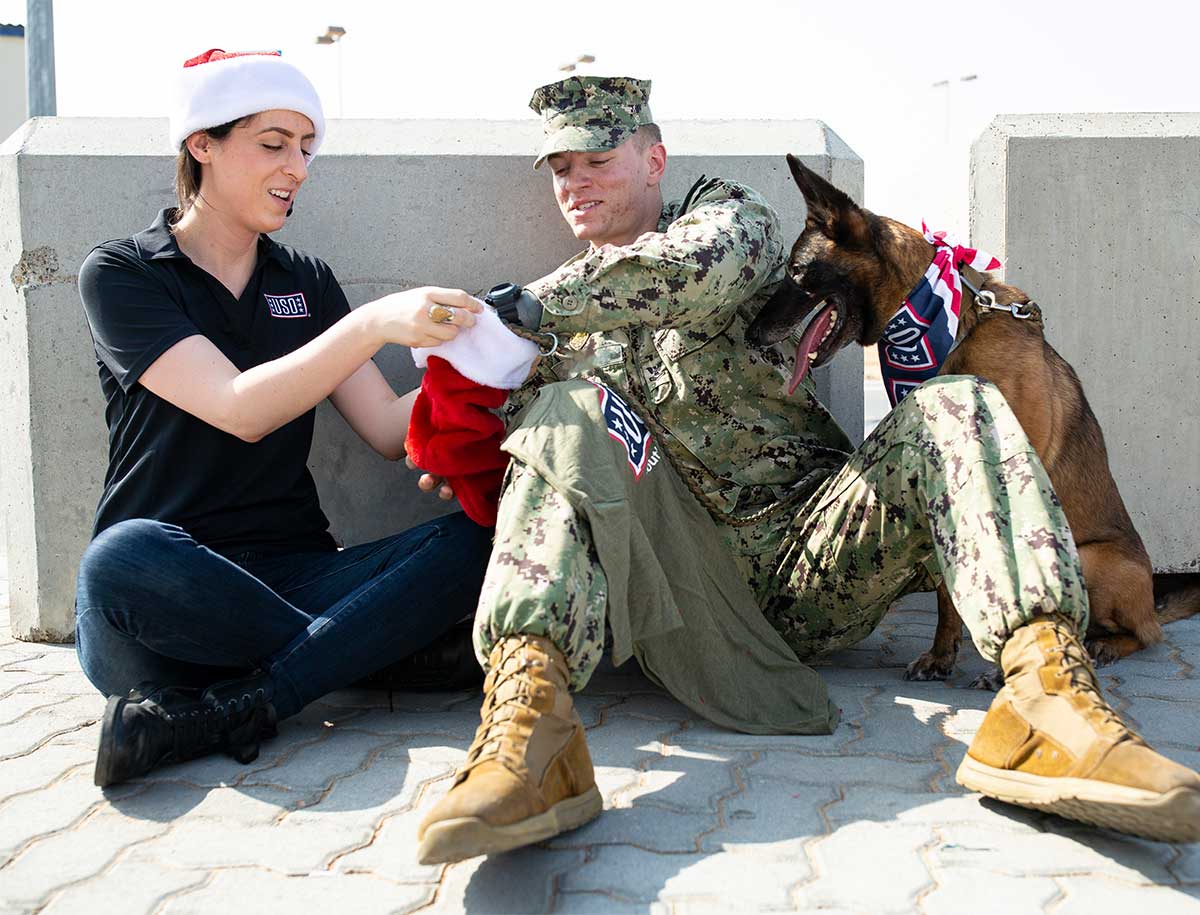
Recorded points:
(1176,602)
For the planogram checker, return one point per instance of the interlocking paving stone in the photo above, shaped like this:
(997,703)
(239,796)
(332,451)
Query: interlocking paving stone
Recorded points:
(42,813)
(1060,852)
(985,892)
(597,903)
(523,881)
(263,891)
(742,882)
(763,822)
(75,854)
(790,765)
(41,767)
(868,866)
(125,886)
(697,819)
(1087,895)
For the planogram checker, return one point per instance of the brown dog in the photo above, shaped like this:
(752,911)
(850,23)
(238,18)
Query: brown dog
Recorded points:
(859,268)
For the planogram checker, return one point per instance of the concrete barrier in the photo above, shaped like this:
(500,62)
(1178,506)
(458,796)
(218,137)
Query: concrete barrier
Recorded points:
(1097,217)
(390,204)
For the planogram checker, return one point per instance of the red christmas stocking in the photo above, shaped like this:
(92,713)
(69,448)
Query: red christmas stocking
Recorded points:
(453,434)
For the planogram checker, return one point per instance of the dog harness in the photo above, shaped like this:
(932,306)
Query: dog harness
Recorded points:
(920,335)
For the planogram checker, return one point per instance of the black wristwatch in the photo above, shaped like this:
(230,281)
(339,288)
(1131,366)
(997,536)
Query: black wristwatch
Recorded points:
(514,305)
(503,297)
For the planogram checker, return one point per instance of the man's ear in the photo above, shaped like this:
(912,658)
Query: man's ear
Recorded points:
(656,161)
(200,145)
(829,209)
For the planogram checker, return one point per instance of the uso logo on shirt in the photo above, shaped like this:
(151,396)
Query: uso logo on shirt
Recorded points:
(287,306)
(626,427)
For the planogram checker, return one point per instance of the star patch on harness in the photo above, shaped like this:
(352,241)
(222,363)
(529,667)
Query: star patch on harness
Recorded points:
(627,428)
(921,334)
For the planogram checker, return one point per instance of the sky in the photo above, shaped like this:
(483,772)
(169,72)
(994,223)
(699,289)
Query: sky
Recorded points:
(867,68)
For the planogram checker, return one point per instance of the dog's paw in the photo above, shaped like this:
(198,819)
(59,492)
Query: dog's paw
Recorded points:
(1102,651)
(991,680)
(930,667)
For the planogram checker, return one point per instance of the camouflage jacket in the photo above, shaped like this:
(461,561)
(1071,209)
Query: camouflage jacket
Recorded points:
(664,319)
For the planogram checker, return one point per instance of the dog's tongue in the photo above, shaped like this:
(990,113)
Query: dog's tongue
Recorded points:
(808,344)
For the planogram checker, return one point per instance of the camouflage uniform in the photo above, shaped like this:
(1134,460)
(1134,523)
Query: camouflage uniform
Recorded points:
(948,487)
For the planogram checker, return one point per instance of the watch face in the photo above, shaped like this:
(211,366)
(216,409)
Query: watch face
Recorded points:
(502,294)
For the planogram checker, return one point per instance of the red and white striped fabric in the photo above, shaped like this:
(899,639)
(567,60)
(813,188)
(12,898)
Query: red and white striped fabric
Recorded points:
(943,274)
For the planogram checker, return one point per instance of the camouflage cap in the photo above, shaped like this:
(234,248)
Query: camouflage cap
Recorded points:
(590,113)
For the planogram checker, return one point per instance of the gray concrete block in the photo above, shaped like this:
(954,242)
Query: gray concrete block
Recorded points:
(1097,217)
(390,205)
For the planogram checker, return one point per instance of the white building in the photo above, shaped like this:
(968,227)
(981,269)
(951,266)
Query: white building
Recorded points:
(12,78)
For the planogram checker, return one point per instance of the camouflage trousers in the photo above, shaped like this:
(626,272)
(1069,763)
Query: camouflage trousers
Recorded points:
(947,488)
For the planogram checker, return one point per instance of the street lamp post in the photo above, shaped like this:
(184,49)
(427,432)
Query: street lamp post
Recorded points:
(951,198)
(333,35)
(945,84)
(40,91)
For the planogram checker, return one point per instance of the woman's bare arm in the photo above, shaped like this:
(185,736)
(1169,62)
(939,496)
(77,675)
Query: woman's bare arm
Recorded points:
(197,377)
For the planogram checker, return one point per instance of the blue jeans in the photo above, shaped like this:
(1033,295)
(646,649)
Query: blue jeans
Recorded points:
(154,605)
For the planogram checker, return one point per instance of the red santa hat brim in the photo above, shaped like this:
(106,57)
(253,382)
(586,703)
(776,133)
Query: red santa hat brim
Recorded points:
(212,90)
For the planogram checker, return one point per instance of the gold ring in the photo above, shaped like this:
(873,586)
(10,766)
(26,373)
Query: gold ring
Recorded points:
(440,314)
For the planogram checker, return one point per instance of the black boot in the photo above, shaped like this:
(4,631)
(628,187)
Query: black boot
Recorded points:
(155,726)
(447,663)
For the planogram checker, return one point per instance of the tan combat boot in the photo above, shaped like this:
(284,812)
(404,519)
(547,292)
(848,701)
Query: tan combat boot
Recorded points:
(1050,741)
(528,775)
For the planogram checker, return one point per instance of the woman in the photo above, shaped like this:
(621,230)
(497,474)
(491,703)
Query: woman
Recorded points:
(212,600)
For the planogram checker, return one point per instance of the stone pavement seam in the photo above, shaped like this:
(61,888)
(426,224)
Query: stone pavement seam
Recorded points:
(168,897)
(89,811)
(105,868)
(412,805)
(1057,902)
(62,700)
(9,665)
(815,871)
(859,730)
(739,788)
(643,765)
(935,841)
(61,776)
(369,760)
(23,687)
(82,726)
(1175,653)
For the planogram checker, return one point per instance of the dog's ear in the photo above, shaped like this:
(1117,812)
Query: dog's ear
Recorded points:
(830,209)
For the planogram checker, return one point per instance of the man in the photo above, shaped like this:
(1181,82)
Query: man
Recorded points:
(673,491)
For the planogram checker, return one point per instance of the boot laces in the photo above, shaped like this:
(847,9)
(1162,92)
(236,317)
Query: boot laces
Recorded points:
(510,690)
(234,722)
(1077,664)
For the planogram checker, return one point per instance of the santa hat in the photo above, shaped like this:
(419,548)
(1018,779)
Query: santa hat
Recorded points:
(217,87)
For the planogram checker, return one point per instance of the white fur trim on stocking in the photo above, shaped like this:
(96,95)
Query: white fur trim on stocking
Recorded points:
(487,353)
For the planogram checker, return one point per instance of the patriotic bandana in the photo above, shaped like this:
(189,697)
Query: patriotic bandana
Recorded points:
(920,335)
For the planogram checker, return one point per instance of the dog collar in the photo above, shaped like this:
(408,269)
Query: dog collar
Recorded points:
(920,335)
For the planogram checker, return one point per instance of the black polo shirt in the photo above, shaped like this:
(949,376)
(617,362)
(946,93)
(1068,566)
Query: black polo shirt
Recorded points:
(142,295)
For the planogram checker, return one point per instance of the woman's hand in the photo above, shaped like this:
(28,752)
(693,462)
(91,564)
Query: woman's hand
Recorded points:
(425,316)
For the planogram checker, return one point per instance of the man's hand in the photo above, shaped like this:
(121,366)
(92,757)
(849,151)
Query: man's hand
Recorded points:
(428,482)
